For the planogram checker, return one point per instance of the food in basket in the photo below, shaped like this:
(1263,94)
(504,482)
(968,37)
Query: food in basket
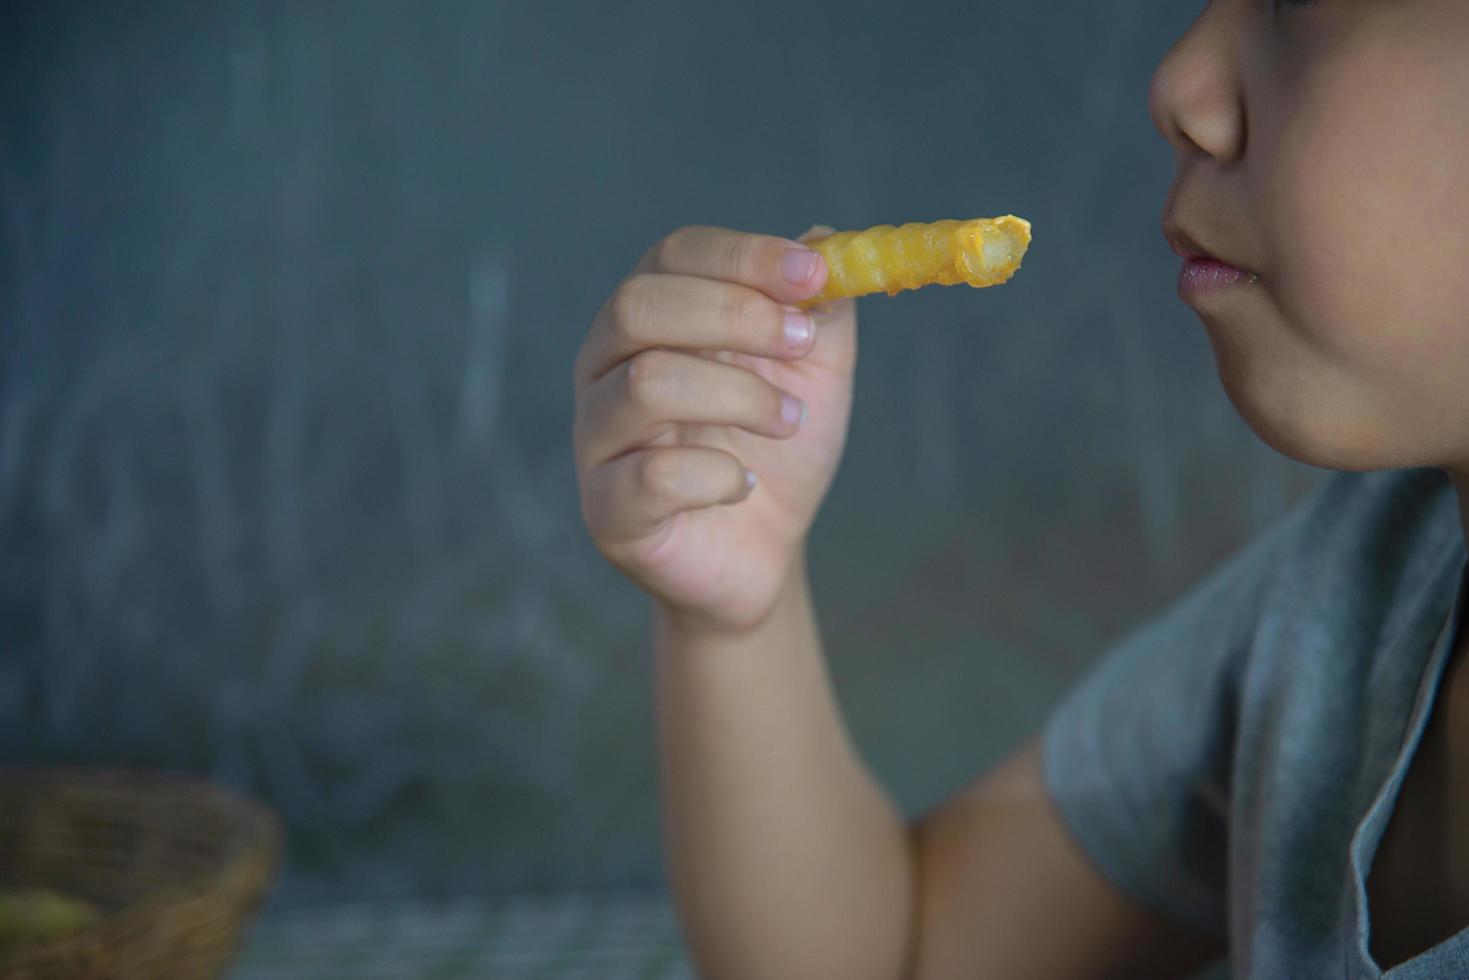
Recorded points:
(37,915)
(980,252)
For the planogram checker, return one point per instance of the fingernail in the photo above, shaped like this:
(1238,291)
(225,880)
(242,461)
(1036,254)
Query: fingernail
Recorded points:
(798,330)
(798,265)
(749,480)
(792,411)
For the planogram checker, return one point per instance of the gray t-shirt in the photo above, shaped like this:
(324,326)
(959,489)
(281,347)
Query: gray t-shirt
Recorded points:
(1233,763)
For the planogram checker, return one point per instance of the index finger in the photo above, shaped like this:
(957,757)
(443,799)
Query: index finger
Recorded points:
(785,270)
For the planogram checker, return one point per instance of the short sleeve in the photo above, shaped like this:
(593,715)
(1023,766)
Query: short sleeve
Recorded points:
(1138,754)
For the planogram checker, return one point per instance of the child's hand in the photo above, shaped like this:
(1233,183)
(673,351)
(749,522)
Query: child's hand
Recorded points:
(687,379)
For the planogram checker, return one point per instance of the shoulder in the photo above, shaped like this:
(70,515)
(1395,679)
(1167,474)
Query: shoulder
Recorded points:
(1364,543)
(1331,669)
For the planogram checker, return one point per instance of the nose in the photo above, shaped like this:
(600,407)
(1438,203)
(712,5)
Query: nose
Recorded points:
(1196,98)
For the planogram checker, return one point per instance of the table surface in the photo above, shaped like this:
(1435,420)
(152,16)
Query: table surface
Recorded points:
(586,937)
(609,937)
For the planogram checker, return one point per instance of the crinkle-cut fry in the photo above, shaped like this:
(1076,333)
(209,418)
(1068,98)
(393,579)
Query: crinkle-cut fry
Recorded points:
(980,252)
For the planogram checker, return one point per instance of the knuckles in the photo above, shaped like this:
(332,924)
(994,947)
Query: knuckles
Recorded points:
(666,252)
(660,474)
(630,303)
(737,254)
(738,307)
(649,373)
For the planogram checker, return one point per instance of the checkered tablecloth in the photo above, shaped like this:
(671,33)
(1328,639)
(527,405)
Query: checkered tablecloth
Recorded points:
(607,937)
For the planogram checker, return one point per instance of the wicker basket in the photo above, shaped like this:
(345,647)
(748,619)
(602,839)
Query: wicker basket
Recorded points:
(176,866)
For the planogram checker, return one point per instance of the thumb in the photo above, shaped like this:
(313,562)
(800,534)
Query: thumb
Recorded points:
(842,311)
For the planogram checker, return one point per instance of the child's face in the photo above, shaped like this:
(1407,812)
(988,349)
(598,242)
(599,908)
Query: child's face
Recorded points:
(1324,148)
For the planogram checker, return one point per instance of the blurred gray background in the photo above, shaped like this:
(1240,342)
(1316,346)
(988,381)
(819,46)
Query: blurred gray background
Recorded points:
(289,293)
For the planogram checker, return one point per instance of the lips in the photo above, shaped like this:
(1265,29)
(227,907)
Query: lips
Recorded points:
(1203,272)
(1185,246)
(1199,276)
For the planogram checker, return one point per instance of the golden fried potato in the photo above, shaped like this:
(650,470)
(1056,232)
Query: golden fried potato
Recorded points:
(981,252)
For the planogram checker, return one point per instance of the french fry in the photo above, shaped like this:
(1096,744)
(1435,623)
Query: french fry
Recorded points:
(981,252)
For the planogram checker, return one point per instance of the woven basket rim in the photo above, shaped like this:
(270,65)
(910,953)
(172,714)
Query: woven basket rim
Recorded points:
(151,782)
(248,825)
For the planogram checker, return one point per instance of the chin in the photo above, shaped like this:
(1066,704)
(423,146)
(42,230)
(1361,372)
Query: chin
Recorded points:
(1299,422)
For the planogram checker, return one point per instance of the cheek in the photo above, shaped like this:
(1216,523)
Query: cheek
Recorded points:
(1366,202)
(1358,180)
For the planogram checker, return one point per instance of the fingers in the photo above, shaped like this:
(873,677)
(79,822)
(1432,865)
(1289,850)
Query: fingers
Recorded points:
(662,310)
(786,271)
(645,396)
(835,309)
(627,498)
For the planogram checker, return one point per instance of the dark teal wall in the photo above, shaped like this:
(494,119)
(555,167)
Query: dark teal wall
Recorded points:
(289,293)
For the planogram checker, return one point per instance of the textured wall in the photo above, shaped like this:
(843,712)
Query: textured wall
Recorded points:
(288,298)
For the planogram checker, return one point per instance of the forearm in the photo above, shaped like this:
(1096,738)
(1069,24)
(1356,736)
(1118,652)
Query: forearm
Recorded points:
(787,860)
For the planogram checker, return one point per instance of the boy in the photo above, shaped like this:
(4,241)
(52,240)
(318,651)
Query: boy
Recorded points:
(1277,769)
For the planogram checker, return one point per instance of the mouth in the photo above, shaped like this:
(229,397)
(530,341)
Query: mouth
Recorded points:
(1203,273)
